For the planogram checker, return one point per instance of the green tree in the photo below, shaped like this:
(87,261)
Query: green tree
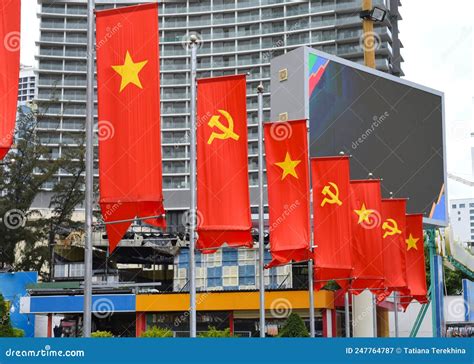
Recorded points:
(6,329)
(294,327)
(25,169)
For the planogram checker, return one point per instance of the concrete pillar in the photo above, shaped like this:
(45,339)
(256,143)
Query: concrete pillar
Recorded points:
(329,323)
(140,323)
(50,324)
(363,315)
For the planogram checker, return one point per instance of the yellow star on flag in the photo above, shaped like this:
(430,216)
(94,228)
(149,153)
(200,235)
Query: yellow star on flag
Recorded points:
(129,71)
(363,214)
(288,166)
(411,242)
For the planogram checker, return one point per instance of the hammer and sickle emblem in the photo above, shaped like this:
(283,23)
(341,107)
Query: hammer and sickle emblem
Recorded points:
(391,228)
(227,132)
(332,193)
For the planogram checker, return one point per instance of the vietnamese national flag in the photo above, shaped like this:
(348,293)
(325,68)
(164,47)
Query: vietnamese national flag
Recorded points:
(367,248)
(223,201)
(332,220)
(286,157)
(394,245)
(9,70)
(128,82)
(415,254)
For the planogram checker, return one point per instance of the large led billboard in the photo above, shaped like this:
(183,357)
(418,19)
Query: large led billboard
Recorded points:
(394,129)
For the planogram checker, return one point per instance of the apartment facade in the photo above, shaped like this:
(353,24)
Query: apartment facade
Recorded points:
(235,37)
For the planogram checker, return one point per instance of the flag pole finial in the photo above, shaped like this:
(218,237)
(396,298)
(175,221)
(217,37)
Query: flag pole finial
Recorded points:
(193,38)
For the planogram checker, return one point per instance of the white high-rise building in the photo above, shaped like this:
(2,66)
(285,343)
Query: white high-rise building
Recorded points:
(462,219)
(236,37)
(26,84)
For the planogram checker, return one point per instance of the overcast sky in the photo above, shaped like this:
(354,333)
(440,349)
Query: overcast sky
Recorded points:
(438,52)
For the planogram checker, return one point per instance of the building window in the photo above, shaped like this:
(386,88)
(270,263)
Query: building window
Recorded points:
(471,205)
(76,270)
(60,271)
(214,277)
(247,275)
(454,206)
(462,205)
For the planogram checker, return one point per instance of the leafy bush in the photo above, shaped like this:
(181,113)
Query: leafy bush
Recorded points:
(213,332)
(294,327)
(18,332)
(6,329)
(157,332)
(102,334)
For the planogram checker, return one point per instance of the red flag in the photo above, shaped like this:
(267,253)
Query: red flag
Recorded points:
(223,202)
(286,149)
(394,246)
(332,220)
(367,248)
(9,70)
(128,80)
(415,255)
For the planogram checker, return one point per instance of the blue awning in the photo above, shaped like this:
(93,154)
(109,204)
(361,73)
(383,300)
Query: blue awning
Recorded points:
(74,304)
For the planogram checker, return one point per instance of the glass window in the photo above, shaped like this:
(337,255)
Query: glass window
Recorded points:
(462,205)
(454,206)
(247,275)
(214,276)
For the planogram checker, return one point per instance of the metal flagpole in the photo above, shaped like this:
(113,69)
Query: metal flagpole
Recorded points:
(193,216)
(374,315)
(395,310)
(261,243)
(89,178)
(346,314)
(312,329)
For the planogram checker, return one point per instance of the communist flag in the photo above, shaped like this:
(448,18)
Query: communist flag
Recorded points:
(367,248)
(332,220)
(415,264)
(9,70)
(128,81)
(394,246)
(286,157)
(223,200)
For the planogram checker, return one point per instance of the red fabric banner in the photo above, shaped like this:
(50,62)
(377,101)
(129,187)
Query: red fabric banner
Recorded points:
(223,200)
(367,248)
(9,70)
(415,255)
(332,220)
(286,149)
(394,246)
(128,81)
